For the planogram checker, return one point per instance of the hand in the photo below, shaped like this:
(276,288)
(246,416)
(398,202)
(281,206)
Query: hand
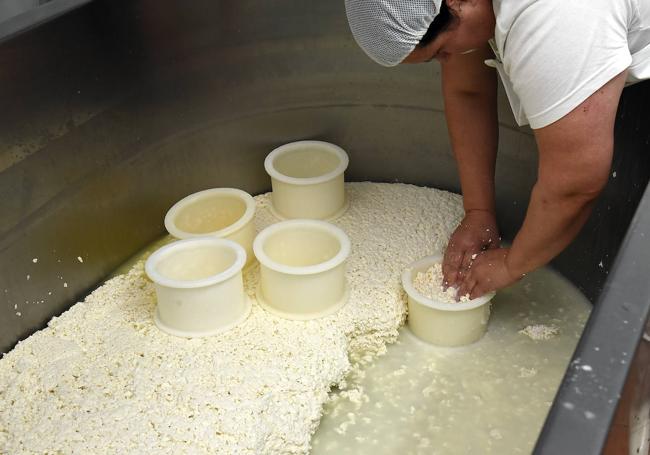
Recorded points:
(478,231)
(488,272)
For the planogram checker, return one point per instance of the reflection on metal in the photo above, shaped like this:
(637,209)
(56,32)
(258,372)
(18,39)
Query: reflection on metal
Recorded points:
(113,112)
(639,413)
(20,15)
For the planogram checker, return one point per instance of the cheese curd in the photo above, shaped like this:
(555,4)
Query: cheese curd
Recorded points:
(101,378)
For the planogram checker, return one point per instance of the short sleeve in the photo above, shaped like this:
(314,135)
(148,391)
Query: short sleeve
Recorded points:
(557,53)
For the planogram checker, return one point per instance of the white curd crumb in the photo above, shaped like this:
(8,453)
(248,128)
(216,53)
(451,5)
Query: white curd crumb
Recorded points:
(540,331)
(35,260)
(80,259)
(527,372)
(496,434)
(429,284)
(401,371)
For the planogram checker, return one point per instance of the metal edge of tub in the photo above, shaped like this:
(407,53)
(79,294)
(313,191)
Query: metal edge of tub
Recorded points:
(585,404)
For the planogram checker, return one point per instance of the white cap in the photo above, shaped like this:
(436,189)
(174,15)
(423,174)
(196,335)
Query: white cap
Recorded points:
(388,30)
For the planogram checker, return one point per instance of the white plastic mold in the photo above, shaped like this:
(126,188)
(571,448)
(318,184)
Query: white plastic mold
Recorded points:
(199,286)
(220,212)
(302,268)
(307,178)
(444,324)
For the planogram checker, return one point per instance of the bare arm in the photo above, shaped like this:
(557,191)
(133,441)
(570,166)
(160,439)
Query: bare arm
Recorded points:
(575,156)
(469,90)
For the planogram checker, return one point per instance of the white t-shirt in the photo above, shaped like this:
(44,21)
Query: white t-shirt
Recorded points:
(554,54)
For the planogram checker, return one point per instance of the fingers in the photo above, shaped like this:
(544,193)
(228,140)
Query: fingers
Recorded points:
(476,233)
(468,257)
(466,286)
(477,292)
(451,267)
(472,286)
(458,269)
(488,272)
(475,284)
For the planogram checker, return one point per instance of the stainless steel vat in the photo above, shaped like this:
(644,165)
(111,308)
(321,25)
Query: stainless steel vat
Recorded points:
(114,111)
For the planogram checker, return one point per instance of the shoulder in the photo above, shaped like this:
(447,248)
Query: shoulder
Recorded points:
(558,53)
(540,18)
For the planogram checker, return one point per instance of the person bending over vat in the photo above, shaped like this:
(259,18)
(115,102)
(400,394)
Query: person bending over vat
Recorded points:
(563,64)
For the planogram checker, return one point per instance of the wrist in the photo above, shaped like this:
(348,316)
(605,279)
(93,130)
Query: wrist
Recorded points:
(480,210)
(479,200)
(515,270)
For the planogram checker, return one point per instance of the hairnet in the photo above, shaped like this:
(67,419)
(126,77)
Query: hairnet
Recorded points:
(388,30)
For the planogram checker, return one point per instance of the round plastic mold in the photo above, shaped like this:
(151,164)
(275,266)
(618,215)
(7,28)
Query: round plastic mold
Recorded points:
(302,268)
(199,286)
(221,212)
(307,180)
(444,324)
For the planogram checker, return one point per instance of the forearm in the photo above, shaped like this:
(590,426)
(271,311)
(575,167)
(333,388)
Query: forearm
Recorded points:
(473,131)
(553,220)
(575,160)
(469,90)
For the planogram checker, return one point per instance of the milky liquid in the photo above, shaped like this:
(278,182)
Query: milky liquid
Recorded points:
(489,397)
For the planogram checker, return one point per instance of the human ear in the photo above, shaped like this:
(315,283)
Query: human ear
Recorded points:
(455,6)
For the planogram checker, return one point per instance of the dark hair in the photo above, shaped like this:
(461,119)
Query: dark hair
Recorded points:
(440,23)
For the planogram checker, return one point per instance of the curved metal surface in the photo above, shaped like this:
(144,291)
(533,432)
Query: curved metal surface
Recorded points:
(118,109)
(17,16)
(115,111)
